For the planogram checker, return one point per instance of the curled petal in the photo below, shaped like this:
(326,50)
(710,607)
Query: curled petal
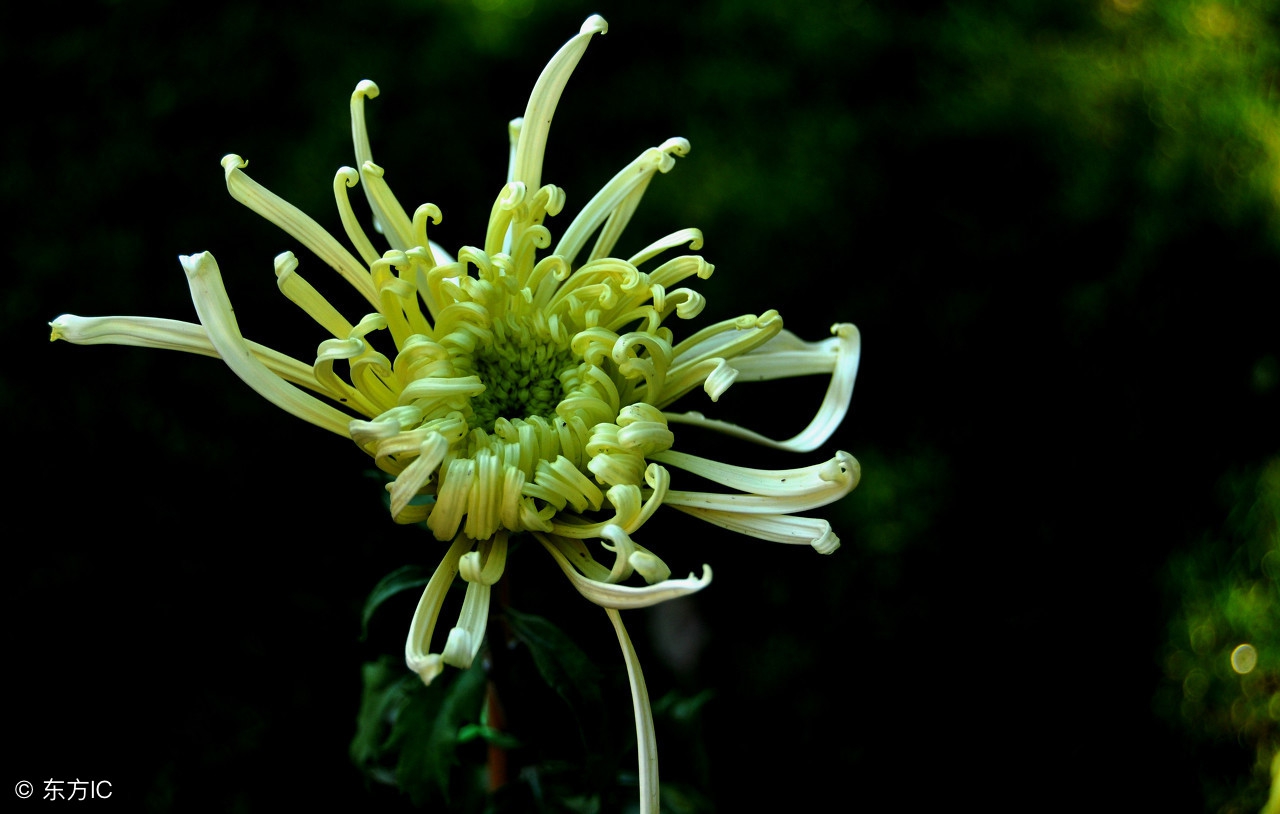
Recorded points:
(466,637)
(691,236)
(407,485)
(302,294)
(839,355)
(391,218)
(429,665)
(841,471)
(624,597)
(810,496)
(346,178)
(811,531)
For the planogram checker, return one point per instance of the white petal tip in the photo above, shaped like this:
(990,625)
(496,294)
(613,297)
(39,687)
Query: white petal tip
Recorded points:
(827,543)
(595,24)
(58,328)
(196,264)
(427,667)
(365,88)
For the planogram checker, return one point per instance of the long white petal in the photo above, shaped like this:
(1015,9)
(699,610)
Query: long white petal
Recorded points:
(834,475)
(536,125)
(172,334)
(845,349)
(811,531)
(646,738)
(218,319)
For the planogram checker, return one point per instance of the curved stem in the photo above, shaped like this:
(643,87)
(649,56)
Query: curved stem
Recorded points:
(646,740)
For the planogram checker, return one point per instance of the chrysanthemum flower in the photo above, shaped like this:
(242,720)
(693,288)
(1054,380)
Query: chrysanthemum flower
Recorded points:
(525,393)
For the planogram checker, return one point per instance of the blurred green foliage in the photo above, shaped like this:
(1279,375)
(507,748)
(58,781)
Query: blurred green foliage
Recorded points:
(1223,656)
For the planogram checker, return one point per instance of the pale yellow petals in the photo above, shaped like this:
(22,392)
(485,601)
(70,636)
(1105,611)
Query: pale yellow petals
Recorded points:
(410,482)
(395,224)
(729,339)
(531,143)
(295,222)
(216,315)
(485,565)
(451,498)
(302,294)
(630,556)
(481,569)
(347,178)
(389,218)
(693,237)
(624,597)
(365,89)
(838,475)
(417,646)
(839,355)
(811,531)
(386,425)
(172,334)
(616,201)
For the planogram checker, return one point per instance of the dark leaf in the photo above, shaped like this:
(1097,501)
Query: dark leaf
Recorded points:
(401,579)
(562,664)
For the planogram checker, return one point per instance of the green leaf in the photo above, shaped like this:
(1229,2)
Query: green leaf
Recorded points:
(562,664)
(681,708)
(401,579)
(387,686)
(500,739)
(426,732)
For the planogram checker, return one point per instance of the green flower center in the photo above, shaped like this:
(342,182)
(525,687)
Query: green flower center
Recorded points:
(521,373)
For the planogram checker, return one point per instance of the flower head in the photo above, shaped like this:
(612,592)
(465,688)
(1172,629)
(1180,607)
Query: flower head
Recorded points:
(517,389)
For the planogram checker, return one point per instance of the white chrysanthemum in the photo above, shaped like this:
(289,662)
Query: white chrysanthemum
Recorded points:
(526,394)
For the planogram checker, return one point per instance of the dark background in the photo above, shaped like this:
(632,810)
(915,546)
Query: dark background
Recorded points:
(1054,223)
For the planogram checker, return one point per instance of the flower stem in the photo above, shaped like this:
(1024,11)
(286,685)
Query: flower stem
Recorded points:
(496,718)
(498,721)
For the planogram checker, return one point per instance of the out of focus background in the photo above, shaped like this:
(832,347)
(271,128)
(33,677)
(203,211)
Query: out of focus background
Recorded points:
(1057,225)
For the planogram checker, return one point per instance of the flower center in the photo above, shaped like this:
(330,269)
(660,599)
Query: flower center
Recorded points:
(521,372)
